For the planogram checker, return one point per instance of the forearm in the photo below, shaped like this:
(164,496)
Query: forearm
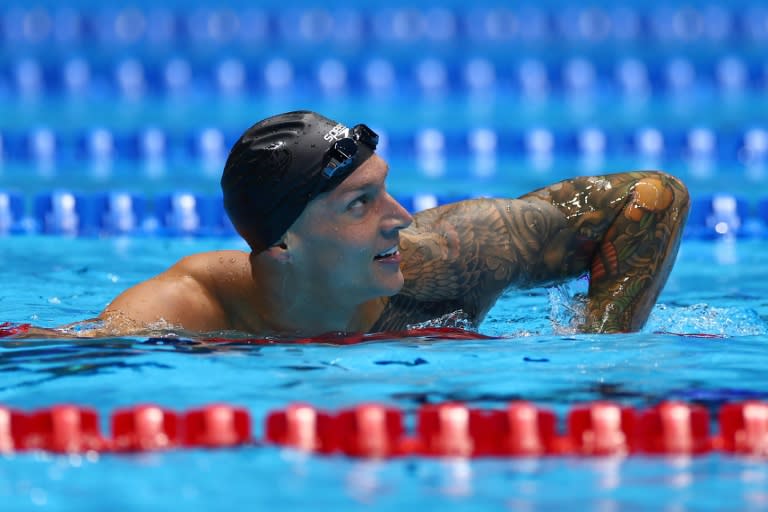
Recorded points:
(631,225)
(636,254)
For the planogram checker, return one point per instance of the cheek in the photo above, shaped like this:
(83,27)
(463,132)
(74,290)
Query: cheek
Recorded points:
(354,251)
(349,249)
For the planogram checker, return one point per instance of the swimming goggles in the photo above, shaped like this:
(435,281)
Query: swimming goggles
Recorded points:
(342,153)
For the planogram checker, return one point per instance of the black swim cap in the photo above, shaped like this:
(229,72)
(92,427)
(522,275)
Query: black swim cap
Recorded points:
(283,162)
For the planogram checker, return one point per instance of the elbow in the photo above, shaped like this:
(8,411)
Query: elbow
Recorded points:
(660,191)
(681,199)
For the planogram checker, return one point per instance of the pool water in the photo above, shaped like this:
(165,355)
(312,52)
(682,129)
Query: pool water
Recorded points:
(716,288)
(142,99)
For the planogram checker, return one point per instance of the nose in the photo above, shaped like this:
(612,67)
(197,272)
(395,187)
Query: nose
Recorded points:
(397,217)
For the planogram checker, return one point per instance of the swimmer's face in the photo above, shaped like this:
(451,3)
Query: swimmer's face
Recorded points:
(346,240)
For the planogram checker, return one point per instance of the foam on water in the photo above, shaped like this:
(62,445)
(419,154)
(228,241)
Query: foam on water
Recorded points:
(567,306)
(704,318)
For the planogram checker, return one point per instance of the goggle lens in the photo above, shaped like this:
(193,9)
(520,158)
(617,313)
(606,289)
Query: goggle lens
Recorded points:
(343,152)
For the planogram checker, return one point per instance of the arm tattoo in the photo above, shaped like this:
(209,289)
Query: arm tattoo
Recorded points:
(464,255)
(635,252)
(623,229)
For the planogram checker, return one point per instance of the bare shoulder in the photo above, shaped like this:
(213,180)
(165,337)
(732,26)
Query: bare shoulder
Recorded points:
(189,295)
(225,275)
(209,267)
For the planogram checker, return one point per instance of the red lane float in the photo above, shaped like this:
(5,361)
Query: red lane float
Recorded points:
(145,428)
(150,428)
(744,428)
(14,429)
(371,430)
(217,426)
(602,428)
(675,428)
(377,431)
(450,430)
(303,427)
(525,430)
(65,429)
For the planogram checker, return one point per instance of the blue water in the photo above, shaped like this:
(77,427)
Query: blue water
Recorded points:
(667,84)
(714,289)
(267,477)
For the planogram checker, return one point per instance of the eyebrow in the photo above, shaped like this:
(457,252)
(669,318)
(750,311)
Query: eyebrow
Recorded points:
(363,188)
(368,184)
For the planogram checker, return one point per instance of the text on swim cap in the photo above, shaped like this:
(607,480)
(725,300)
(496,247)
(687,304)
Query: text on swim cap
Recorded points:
(336,133)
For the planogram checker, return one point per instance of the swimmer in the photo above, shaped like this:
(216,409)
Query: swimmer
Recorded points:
(332,251)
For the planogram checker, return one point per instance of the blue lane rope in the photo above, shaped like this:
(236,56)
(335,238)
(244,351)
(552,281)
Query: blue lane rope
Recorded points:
(115,213)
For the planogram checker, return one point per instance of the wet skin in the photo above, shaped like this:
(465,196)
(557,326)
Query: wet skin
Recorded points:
(623,230)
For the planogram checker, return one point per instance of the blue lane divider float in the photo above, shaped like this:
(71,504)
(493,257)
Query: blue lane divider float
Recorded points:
(43,145)
(215,47)
(747,146)
(530,76)
(115,213)
(122,213)
(723,215)
(11,212)
(380,22)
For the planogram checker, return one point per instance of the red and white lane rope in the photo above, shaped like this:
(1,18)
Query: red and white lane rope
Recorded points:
(521,429)
(375,430)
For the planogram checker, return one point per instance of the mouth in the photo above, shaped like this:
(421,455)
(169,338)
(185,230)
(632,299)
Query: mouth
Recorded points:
(392,251)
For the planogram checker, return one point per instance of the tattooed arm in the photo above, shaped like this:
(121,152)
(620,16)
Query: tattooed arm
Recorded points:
(622,229)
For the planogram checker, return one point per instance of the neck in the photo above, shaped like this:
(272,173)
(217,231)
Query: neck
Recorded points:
(286,305)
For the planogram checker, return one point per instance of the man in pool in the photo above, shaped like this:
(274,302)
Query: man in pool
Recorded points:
(332,251)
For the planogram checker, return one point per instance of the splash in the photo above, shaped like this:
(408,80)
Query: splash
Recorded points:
(567,304)
(705,318)
(81,328)
(457,319)
(567,308)
(114,325)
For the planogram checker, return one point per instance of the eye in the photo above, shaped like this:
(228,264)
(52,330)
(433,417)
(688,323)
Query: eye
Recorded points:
(359,202)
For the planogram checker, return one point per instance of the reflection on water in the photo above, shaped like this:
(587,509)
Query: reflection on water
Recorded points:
(37,362)
(32,362)
(364,482)
(711,482)
(634,369)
